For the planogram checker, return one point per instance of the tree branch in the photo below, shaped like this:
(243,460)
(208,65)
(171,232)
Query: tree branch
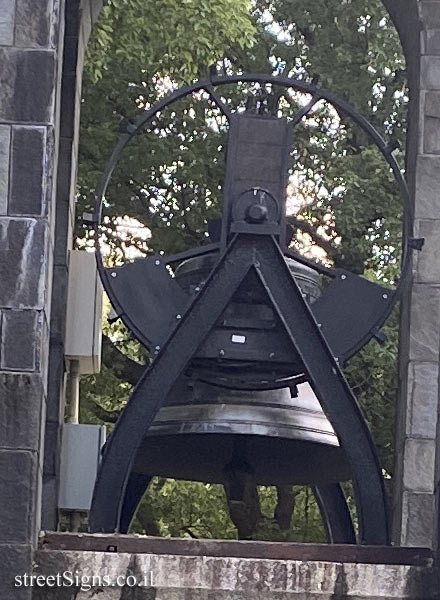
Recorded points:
(108,416)
(123,367)
(308,228)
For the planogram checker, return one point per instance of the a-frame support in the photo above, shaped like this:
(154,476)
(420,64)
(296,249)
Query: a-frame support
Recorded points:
(263,254)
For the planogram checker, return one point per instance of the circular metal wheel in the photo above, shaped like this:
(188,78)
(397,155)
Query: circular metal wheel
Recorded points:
(350,312)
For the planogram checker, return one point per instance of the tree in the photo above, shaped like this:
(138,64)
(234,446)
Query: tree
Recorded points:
(343,198)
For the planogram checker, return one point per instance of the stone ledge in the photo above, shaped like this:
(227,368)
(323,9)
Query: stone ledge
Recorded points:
(172,577)
(137,544)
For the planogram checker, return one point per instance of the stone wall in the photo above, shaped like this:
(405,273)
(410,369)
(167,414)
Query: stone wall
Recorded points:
(221,578)
(36,216)
(31,39)
(417,448)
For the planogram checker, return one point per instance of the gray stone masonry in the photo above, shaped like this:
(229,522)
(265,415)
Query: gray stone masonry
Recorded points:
(217,578)
(416,511)
(31,36)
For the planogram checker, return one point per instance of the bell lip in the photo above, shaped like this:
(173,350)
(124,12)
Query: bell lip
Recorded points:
(187,458)
(247,429)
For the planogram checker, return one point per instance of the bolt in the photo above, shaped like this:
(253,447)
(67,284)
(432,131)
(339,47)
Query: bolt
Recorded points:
(319,324)
(272,355)
(384,296)
(113,274)
(156,350)
(256,213)
(178,317)
(197,289)
(157,263)
(221,353)
(343,276)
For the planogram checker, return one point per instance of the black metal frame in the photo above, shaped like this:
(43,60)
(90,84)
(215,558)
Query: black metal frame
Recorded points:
(326,378)
(117,490)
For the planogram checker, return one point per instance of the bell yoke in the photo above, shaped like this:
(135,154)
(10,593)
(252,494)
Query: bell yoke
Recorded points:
(246,380)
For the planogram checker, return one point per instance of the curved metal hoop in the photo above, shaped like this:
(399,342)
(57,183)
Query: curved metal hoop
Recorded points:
(133,128)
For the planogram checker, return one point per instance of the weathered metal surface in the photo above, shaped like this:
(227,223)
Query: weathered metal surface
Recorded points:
(386,555)
(284,439)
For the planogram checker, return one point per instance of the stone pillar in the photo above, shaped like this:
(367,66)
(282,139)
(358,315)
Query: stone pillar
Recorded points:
(40,83)
(418,456)
(31,37)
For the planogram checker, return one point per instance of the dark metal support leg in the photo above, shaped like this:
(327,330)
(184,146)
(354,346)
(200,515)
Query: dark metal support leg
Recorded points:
(154,386)
(331,389)
(335,514)
(136,487)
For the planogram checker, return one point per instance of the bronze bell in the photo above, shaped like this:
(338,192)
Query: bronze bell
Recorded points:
(208,429)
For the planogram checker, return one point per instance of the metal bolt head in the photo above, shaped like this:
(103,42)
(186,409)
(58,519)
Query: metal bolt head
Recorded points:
(157,263)
(221,353)
(272,355)
(113,274)
(256,213)
(197,289)
(178,317)
(343,276)
(385,296)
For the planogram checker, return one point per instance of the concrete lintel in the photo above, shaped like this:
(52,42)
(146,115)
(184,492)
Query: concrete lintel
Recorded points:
(175,577)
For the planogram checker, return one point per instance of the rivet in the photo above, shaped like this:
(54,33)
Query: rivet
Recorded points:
(157,263)
(343,276)
(113,274)
(272,355)
(221,353)
(384,296)
(178,317)
(197,289)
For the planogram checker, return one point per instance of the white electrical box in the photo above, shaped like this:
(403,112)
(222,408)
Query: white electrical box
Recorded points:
(84,312)
(80,457)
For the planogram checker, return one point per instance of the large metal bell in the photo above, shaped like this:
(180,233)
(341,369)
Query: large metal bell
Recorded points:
(208,431)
